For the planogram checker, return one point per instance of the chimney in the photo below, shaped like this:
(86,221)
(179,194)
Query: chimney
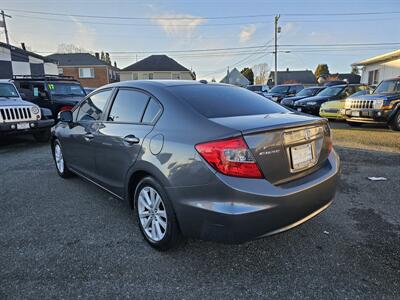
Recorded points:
(97,55)
(115,64)
(287,69)
(23,46)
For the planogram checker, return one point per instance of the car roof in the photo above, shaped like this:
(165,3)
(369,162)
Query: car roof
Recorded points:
(159,83)
(6,81)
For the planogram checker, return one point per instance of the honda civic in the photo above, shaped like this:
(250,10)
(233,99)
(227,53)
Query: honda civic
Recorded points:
(195,159)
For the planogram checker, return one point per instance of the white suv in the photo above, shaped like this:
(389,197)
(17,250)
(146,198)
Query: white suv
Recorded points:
(18,116)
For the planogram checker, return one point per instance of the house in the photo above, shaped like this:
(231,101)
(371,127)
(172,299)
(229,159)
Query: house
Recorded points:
(156,67)
(16,61)
(89,69)
(236,78)
(380,67)
(305,77)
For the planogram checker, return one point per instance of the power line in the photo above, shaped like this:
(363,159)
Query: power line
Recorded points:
(202,17)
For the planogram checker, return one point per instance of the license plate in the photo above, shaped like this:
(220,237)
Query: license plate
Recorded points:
(301,156)
(299,109)
(355,113)
(22,125)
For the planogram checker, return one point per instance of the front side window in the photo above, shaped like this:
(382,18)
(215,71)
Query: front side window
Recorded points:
(86,73)
(92,108)
(128,106)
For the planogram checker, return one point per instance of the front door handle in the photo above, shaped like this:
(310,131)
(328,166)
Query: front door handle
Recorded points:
(131,139)
(88,137)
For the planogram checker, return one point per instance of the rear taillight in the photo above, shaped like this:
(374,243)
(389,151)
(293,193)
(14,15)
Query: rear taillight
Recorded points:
(230,157)
(66,107)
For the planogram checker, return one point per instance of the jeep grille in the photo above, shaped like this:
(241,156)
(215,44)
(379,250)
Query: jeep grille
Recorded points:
(362,104)
(16,114)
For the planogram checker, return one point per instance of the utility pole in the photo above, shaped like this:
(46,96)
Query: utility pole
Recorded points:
(277,30)
(5,26)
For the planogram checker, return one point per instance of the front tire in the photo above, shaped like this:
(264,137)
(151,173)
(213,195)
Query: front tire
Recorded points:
(395,124)
(58,156)
(155,215)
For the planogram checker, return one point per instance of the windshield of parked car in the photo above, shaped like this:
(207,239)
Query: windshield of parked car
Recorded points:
(331,91)
(8,91)
(216,101)
(388,86)
(280,89)
(307,92)
(65,89)
(255,88)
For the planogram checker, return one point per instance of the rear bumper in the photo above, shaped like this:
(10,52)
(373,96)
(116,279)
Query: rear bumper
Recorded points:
(235,210)
(12,128)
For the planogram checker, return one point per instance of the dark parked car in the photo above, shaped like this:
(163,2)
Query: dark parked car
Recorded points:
(209,161)
(382,106)
(311,105)
(304,93)
(258,89)
(56,93)
(277,93)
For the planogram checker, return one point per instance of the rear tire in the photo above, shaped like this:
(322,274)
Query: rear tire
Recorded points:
(354,124)
(155,215)
(42,136)
(62,168)
(395,124)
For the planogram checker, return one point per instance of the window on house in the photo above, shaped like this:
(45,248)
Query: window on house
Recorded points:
(86,73)
(376,76)
(60,71)
(373,77)
(175,76)
(135,76)
(151,76)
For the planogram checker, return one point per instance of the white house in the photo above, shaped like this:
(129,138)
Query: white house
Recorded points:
(236,78)
(380,67)
(156,67)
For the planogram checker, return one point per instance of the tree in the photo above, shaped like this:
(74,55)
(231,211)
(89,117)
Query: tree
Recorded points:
(102,56)
(213,80)
(355,70)
(248,73)
(321,70)
(260,71)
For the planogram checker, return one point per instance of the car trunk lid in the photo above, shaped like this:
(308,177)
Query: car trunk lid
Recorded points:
(286,146)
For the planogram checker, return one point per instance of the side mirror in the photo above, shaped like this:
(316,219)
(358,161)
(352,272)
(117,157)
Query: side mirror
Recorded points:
(65,116)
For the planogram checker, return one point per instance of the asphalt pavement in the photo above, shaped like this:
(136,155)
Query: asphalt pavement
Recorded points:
(69,239)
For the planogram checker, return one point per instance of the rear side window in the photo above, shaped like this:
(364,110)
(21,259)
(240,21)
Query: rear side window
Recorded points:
(92,108)
(218,101)
(152,111)
(128,106)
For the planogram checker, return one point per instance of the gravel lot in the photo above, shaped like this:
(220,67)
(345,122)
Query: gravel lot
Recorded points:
(69,239)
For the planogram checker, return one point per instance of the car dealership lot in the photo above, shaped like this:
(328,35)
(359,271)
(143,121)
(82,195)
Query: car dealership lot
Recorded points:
(67,238)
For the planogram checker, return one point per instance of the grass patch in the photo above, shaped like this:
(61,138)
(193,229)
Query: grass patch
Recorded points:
(388,141)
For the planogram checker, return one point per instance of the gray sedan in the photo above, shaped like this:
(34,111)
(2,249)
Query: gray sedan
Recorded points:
(209,161)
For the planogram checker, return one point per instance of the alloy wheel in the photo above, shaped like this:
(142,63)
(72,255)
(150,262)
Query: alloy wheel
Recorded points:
(59,158)
(152,213)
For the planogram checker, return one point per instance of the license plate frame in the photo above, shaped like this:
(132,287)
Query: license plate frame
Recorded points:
(22,126)
(302,156)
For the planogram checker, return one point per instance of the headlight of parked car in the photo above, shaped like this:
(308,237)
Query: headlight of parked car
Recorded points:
(35,110)
(378,103)
(311,103)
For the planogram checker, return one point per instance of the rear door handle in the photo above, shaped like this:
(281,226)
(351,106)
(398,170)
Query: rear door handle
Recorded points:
(88,137)
(131,139)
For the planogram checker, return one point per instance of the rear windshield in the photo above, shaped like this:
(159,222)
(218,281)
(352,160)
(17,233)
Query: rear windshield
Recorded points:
(218,101)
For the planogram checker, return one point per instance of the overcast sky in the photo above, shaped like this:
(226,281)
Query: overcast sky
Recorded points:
(124,39)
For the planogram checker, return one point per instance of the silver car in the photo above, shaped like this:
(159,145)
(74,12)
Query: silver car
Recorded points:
(193,159)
